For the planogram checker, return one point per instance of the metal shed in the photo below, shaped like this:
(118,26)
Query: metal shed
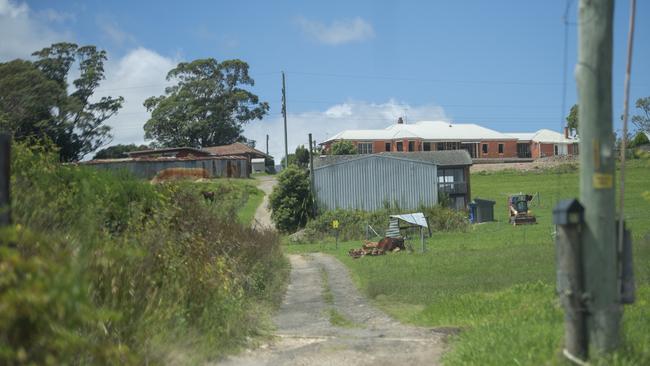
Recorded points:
(372,182)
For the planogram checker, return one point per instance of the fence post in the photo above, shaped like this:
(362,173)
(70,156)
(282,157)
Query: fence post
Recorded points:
(568,216)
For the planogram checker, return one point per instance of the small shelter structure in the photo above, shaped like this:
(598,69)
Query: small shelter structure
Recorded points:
(412,220)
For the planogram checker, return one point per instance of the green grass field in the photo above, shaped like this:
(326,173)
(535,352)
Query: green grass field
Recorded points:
(497,282)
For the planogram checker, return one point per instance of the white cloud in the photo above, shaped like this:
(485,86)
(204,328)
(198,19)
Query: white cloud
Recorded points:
(324,124)
(136,76)
(57,16)
(114,33)
(21,33)
(337,32)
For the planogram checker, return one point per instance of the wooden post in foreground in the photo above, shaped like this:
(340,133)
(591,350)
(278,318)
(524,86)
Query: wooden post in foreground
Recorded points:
(568,216)
(5,178)
(597,163)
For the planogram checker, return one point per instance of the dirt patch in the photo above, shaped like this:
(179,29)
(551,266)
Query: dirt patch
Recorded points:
(539,164)
(305,334)
(262,216)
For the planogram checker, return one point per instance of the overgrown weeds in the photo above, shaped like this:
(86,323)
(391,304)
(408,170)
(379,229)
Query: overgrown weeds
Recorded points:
(106,269)
(353,224)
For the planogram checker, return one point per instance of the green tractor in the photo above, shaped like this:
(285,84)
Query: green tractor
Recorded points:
(518,208)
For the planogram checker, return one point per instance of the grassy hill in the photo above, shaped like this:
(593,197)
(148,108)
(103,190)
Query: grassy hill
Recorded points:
(497,282)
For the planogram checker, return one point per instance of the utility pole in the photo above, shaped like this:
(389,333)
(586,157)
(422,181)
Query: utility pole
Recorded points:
(597,164)
(5,178)
(267,144)
(311,176)
(284,114)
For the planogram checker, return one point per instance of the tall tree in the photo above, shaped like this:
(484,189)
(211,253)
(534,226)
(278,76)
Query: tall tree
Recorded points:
(208,106)
(28,100)
(642,121)
(118,151)
(79,121)
(572,119)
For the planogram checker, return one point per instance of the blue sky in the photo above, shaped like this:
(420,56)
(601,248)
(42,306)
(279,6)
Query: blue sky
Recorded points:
(349,64)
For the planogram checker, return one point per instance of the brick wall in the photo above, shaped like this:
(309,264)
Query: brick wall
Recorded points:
(509,149)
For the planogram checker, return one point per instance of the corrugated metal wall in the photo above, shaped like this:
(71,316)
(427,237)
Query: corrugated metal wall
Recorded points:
(147,169)
(369,183)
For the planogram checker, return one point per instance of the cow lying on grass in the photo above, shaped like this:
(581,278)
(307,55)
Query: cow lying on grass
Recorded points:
(379,248)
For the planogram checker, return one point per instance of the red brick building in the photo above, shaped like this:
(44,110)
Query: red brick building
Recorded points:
(480,142)
(545,143)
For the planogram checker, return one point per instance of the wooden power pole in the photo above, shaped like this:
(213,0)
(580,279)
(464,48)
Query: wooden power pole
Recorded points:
(597,167)
(267,144)
(311,176)
(284,114)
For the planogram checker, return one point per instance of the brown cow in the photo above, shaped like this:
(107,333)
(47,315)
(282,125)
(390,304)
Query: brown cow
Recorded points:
(389,244)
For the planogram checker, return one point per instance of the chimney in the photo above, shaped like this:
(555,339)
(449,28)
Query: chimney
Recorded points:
(400,121)
(566,132)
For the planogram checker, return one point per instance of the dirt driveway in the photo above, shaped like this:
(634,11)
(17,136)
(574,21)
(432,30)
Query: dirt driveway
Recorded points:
(262,216)
(321,286)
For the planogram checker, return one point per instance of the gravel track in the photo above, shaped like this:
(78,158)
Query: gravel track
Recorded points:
(305,336)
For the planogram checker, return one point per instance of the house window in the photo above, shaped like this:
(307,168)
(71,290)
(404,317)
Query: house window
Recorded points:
(555,150)
(426,146)
(500,148)
(388,146)
(485,148)
(411,145)
(440,146)
(400,146)
(364,147)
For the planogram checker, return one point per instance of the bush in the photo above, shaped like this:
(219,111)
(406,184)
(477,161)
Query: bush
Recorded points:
(108,269)
(343,147)
(352,223)
(291,201)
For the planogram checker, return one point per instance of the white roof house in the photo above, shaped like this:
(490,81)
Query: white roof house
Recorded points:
(426,130)
(544,136)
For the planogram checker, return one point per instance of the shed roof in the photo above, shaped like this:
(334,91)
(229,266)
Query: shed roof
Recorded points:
(235,149)
(441,158)
(150,152)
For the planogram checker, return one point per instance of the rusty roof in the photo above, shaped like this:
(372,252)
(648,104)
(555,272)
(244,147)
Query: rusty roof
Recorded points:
(167,150)
(237,148)
(164,158)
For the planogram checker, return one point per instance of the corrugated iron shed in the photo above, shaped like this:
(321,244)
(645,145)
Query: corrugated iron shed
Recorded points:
(371,182)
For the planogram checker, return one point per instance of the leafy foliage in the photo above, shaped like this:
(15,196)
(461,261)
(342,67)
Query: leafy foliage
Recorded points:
(118,151)
(207,107)
(79,121)
(572,119)
(291,200)
(639,139)
(302,157)
(27,99)
(110,270)
(642,121)
(352,223)
(343,147)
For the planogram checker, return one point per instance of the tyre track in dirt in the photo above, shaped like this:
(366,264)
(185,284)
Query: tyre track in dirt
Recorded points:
(305,336)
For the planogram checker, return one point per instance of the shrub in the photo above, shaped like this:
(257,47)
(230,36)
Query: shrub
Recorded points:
(352,223)
(108,269)
(343,147)
(291,201)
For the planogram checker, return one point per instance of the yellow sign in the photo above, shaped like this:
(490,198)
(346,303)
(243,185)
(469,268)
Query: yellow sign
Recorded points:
(603,181)
(335,224)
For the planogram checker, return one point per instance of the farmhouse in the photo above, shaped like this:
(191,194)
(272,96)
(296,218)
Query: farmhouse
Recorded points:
(407,180)
(480,142)
(544,143)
